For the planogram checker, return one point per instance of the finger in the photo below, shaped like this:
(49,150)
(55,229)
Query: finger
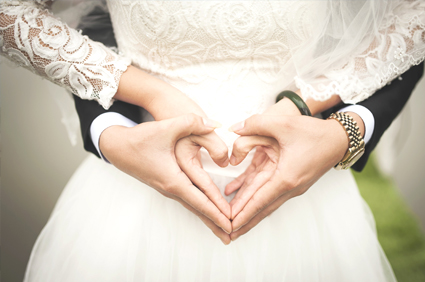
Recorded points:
(257,125)
(223,236)
(249,173)
(248,180)
(260,216)
(247,193)
(259,201)
(203,181)
(188,124)
(216,147)
(238,181)
(187,158)
(200,202)
(244,144)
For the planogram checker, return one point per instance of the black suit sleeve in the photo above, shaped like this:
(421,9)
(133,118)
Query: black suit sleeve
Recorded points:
(100,29)
(385,106)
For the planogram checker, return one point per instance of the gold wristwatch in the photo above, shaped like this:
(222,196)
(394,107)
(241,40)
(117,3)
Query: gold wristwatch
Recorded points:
(356,142)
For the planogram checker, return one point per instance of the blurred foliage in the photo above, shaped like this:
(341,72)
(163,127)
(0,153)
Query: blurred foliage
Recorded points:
(399,232)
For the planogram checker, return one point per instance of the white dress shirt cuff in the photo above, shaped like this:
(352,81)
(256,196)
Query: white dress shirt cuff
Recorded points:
(366,116)
(104,121)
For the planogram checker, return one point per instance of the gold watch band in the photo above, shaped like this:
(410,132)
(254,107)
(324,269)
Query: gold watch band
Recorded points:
(356,143)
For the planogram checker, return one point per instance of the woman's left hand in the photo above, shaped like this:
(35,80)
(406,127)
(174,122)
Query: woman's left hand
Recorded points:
(293,152)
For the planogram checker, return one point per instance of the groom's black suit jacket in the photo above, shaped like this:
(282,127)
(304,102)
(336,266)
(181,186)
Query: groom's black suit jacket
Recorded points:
(385,104)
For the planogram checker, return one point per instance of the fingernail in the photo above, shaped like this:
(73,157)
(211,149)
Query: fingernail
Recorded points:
(225,231)
(211,123)
(237,126)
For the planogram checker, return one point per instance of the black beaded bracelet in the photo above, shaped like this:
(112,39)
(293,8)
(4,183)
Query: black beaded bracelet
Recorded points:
(301,105)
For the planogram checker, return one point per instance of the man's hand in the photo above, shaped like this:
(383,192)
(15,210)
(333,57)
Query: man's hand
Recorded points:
(293,152)
(147,152)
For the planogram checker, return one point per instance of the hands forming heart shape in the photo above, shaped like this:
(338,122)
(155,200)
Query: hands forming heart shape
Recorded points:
(286,163)
(292,152)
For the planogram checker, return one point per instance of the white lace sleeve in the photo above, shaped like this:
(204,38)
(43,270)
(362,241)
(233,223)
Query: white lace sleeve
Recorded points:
(31,37)
(397,44)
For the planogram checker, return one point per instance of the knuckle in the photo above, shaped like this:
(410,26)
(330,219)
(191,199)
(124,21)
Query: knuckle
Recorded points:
(220,152)
(191,119)
(289,183)
(171,188)
(302,191)
(240,145)
(205,186)
(255,120)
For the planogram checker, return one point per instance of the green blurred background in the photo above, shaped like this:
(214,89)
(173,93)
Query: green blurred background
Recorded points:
(399,231)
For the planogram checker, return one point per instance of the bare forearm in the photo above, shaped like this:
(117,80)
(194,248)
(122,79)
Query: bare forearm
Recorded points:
(156,96)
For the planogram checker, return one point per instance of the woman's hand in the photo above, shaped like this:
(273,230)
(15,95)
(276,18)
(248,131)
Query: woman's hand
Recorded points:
(148,153)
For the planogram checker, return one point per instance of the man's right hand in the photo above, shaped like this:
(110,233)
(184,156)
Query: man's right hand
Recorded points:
(147,152)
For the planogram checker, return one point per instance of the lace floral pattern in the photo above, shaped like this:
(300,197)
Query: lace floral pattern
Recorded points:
(399,45)
(172,37)
(31,37)
(187,39)
(226,41)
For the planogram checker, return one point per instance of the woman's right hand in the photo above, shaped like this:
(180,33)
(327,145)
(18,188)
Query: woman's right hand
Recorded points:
(148,153)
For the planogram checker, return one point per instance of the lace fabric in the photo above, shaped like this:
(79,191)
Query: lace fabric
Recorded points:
(347,48)
(394,42)
(31,37)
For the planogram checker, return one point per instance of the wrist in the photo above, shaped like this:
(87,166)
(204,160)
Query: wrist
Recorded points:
(284,107)
(110,141)
(317,107)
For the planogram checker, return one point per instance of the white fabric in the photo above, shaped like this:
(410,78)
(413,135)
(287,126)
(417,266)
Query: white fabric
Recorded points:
(109,227)
(366,116)
(31,37)
(102,122)
(232,58)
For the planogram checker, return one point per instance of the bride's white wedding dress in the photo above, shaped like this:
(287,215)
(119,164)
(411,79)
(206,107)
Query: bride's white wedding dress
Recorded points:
(232,58)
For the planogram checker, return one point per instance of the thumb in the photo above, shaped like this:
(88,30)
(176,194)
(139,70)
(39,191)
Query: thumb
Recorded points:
(257,125)
(215,146)
(244,144)
(188,124)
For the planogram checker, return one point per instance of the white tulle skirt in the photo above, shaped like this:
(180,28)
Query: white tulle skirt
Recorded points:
(108,226)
